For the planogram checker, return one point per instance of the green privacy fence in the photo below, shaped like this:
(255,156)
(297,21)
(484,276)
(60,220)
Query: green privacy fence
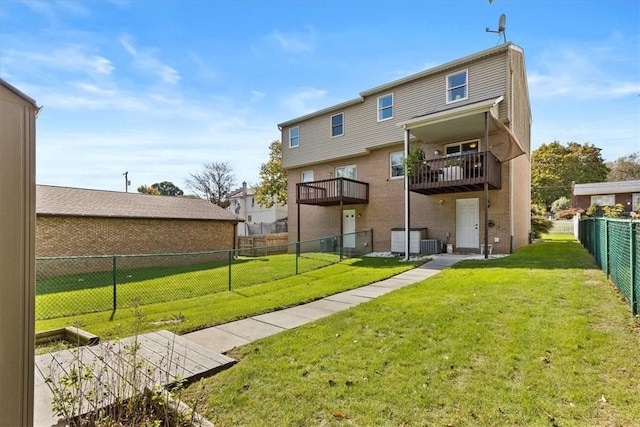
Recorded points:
(614,244)
(68,286)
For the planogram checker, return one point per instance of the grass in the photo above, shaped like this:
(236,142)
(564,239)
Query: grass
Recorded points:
(188,314)
(536,338)
(69,295)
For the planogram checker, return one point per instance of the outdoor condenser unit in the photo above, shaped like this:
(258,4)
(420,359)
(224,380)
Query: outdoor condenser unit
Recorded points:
(430,246)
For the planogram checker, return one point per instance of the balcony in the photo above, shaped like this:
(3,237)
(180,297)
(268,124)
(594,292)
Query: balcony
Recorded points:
(467,172)
(331,192)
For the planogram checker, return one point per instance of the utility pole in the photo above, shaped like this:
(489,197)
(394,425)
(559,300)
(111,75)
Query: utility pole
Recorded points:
(127,183)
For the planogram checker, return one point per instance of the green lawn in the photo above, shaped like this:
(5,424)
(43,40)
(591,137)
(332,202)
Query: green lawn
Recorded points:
(537,338)
(187,314)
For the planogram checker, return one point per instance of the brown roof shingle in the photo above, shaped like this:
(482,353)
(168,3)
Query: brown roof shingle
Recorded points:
(68,201)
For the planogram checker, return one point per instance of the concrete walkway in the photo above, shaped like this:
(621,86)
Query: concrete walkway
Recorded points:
(223,338)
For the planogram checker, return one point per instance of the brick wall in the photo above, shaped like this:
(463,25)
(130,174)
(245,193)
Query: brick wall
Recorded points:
(74,236)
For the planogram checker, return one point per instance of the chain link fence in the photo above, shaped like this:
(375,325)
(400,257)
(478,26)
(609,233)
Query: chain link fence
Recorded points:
(614,244)
(69,286)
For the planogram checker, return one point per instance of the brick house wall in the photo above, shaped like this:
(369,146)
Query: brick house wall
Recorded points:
(75,236)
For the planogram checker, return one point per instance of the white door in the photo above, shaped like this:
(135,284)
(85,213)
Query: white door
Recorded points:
(467,218)
(349,226)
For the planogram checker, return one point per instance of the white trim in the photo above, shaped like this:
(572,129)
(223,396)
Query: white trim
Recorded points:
(297,137)
(603,200)
(392,107)
(306,172)
(332,126)
(465,85)
(456,113)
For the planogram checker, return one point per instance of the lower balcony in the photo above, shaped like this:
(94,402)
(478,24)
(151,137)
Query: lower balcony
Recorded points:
(467,172)
(331,192)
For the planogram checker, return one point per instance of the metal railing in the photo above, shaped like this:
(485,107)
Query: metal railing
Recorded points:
(69,286)
(614,244)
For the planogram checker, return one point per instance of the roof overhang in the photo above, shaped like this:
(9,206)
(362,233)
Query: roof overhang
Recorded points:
(463,121)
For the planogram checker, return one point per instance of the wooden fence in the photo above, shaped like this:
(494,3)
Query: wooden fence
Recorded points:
(268,244)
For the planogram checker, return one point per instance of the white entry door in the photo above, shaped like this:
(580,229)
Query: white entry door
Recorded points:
(467,218)
(349,226)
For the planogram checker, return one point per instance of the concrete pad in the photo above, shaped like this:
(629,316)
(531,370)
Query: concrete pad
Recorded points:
(329,305)
(283,319)
(309,311)
(216,339)
(42,413)
(393,284)
(250,329)
(344,297)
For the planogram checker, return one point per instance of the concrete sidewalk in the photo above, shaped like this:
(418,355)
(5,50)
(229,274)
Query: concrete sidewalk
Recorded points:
(223,338)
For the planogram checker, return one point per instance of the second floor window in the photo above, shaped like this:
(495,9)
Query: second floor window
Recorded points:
(396,164)
(307,176)
(457,86)
(294,137)
(346,172)
(385,107)
(337,125)
(462,148)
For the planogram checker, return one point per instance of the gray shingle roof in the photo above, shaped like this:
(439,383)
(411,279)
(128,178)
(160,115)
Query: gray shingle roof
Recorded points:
(596,188)
(67,201)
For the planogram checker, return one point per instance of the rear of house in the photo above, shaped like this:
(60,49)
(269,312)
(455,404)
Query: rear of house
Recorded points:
(469,121)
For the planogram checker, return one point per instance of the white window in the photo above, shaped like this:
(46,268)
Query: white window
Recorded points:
(636,202)
(337,125)
(457,86)
(385,107)
(462,148)
(396,164)
(604,200)
(294,137)
(346,172)
(307,176)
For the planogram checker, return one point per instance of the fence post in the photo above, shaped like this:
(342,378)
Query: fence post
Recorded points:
(114,277)
(632,264)
(230,260)
(297,256)
(341,246)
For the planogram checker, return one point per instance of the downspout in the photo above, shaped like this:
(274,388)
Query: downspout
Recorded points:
(486,185)
(407,230)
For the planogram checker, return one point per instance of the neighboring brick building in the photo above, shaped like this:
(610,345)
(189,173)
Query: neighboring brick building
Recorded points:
(75,221)
(626,193)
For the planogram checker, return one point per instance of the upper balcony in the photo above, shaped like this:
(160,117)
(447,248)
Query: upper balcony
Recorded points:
(467,172)
(331,192)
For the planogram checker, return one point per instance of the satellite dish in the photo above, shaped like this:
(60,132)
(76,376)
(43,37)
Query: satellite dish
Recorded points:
(501,28)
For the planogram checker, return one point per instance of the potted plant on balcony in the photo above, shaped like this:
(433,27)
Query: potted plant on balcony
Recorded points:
(452,169)
(413,162)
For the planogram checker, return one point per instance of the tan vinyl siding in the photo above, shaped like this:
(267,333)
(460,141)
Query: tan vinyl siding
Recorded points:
(521,110)
(362,132)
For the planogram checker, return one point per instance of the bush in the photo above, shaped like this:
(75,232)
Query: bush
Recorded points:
(568,213)
(613,211)
(540,225)
(561,204)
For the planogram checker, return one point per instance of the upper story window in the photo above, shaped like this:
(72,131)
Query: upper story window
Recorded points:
(337,125)
(396,164)
(457,84)
(306,176)
(346,172)
(385,107)
(294,137)
(462,148)
(604,200)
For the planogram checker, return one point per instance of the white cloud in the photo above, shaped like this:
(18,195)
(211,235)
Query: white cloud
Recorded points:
(146,60)
(305,100)
(73,58)
(584,73)
(292,42)
(256,95)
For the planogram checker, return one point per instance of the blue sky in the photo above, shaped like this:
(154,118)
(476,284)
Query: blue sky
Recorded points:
(158,88)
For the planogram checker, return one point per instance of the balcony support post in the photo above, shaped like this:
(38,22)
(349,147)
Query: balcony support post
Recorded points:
(486,185)
(407,229)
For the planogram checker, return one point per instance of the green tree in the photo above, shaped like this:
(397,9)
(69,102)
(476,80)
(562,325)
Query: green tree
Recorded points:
(272,187)
(554,167)
(168,188)
(213,183)
(146,189)
(625,168)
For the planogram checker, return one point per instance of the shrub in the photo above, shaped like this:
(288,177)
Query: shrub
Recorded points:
(568,213)
(540,225)
(613,211)
(561,204)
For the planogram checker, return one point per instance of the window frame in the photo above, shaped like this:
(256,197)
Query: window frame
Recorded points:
(460,144)
(450,89)
(380,109)
(635,202)
(355,170)
(601,197)
(302,174)
(341,125)
(391,165)
(296,137)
